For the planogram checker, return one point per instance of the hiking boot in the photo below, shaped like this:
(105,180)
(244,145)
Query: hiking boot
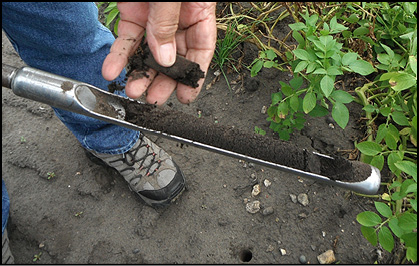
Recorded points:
(6,254)
(149,171)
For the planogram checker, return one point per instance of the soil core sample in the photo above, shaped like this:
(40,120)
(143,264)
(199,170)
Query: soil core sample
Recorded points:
(207,132)
(183,70)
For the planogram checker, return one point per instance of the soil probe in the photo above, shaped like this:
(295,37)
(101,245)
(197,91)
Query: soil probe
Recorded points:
(85,99)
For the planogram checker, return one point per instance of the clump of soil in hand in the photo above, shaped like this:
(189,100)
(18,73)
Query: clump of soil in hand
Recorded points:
(229,138)
(183,70)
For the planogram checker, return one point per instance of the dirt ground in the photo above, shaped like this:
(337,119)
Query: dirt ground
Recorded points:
(86,215)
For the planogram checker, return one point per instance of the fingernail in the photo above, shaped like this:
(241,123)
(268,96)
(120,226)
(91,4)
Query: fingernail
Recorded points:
(167,54)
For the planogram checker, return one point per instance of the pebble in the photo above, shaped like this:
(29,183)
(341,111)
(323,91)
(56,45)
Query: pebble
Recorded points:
(267,183)
(327,257)
(303,199)
(283,251)
(263,110)
(256,190)
(303,259)
(293,198)
(135,251)
(253,207)
(268,210)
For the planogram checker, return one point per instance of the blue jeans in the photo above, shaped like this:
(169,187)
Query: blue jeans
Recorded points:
(68,40)
(5,205)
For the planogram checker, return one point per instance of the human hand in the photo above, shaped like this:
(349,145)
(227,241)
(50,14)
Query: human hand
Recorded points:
(188,29)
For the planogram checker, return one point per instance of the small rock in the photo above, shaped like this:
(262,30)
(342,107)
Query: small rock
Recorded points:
(293,198)
(313,247)
(302,215)
(303,199)
(264,108)
(41,245)
(270,248)
(283,251)
(267,183)
(253,207)
(268,210)
(135,251)
(256,190)
(303,259)
(327,257)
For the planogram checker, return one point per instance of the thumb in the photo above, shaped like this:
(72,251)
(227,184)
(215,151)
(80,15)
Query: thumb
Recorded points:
(162,24)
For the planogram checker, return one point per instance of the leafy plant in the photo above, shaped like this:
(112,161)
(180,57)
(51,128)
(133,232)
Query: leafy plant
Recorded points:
(112,14)
(260,131)
(37,257)
(50,175)
(319,59)
(390,105)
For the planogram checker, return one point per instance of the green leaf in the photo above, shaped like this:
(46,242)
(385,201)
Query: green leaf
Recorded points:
(402,81)
(327,85)
(318,111)
(297,26)
(381,133)
(301,54)
(342,96)
(286,89)
(294,103)
(111,16)
(411,239)
(395,228)
(270,54)
(256,68)
(276,97)
(369,148)
(370,235)
(349,58)
(361,67)
(413,62)
(383,209)
(296,82)
(414,204)
(393,158)
(268,64)
(334,71)
(340,114)
(412,254)
(408,221)
(309,102)
(400,118)
(378,161)
(385,111)
(361,31)
(368,218)
(301,66)
(386,239)
(299,38)
(408,167)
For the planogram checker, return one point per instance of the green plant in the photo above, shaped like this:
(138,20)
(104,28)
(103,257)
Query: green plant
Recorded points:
(226,46)
(50,175)
(112,14)
(319,60)
(37,257)
(260,131)
(266,59)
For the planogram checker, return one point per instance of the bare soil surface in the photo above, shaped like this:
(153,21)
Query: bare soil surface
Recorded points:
(85,214)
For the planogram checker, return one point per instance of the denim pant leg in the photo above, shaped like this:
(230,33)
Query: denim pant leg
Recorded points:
(68,40)
(5,205)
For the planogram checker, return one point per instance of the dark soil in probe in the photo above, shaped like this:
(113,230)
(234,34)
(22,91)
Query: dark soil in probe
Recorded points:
(229,138)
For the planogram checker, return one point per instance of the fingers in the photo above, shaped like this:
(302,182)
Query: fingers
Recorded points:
(161,31)
(130,35)
(138,83)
